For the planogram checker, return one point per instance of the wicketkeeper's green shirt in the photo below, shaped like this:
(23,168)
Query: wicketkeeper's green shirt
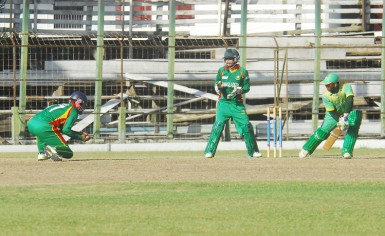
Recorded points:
(232,78)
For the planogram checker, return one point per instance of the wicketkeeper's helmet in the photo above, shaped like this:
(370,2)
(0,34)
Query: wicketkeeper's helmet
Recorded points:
(231,53)
(80,98)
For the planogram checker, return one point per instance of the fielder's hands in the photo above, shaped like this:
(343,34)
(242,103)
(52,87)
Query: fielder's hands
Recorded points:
(343,121)
(86,137)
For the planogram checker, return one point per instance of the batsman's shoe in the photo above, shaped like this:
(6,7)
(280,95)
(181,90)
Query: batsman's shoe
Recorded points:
(42,157)
(257,154)
(303,153)
(347,155)
(51,153)
(209,155)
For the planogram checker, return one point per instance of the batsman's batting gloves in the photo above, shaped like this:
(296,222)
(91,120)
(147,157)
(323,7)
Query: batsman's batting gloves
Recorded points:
(343,121)
(346,116)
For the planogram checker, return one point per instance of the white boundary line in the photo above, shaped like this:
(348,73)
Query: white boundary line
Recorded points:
(185,146)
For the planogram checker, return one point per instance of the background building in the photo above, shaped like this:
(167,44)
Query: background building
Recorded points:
(130,54)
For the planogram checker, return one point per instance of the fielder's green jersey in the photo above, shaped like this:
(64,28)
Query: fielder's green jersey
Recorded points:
(232,78)
(337,101)
(61,116)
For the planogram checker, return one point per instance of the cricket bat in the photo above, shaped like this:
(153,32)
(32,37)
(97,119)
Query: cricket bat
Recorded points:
(332,138)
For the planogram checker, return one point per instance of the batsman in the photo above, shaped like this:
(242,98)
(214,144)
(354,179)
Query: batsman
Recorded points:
(49,125)
(338,101)
(231,82)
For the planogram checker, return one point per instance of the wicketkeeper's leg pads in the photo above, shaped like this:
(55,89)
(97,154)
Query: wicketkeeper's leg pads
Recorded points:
(315,140)
(249,138)
(215,135)
(354,119)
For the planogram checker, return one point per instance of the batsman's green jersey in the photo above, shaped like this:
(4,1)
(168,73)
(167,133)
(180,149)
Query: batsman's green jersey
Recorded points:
(336,104)
(49,125)
(232,108)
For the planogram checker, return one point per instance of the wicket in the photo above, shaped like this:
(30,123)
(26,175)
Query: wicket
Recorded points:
(277,131)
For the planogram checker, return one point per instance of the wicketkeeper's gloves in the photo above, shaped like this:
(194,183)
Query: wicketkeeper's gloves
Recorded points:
(218,87)
(236,91)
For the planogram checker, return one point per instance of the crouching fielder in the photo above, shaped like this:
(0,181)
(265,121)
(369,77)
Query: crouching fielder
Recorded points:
(338,101)
(231,82)
(49,125)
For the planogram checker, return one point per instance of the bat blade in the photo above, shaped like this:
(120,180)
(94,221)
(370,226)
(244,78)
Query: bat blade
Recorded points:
(332,138)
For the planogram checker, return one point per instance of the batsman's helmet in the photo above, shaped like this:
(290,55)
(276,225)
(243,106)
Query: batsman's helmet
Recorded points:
(80,98)
(231,53)
(330,78)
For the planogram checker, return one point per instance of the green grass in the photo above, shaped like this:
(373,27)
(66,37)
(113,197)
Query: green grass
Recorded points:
(194,209)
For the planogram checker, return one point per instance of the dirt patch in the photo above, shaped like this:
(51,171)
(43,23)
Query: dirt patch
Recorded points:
(120,168)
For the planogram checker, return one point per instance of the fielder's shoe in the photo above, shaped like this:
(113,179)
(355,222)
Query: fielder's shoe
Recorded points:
(51,153)
(209,155)
(257,154)
(42,157)
(303,153)
(347,155)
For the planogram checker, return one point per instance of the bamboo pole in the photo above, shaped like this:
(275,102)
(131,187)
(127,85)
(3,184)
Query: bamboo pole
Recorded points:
(171,64)
(99,68)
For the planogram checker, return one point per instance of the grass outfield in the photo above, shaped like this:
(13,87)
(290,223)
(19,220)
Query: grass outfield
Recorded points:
(184,194)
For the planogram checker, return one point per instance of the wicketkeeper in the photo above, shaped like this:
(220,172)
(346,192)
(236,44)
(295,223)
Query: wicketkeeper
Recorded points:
(49,125)
(231,82)
(338,101)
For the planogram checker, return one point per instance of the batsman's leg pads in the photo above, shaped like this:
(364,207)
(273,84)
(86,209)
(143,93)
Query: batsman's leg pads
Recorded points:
(315,140)
(249,138)
(355,118)
(350,140)
(216,132)
(64,151)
